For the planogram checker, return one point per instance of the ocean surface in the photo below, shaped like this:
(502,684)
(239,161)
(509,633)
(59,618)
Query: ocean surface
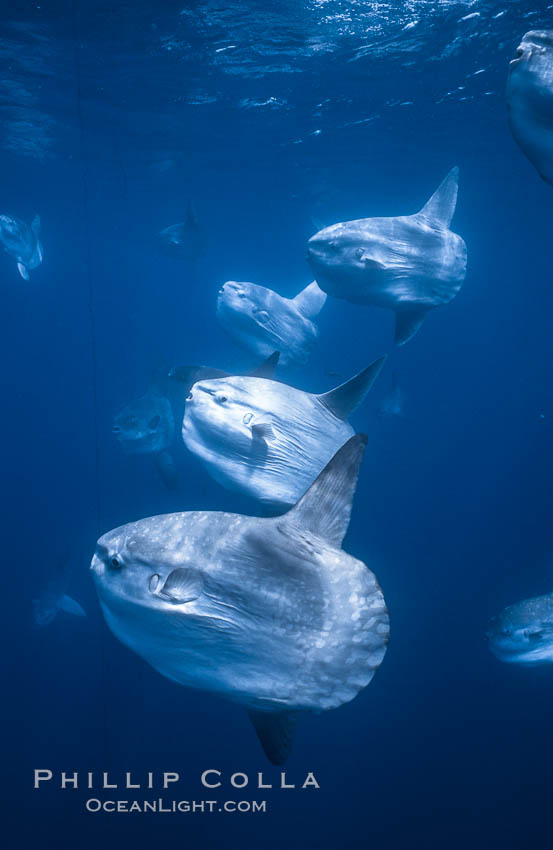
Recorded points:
(272,117)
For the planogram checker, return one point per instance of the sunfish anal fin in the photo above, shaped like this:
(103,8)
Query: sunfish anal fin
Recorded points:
(267,368)
(167,469)
(325,509)
(275,731)
(71,607)
(439,209)
(343,400)
(23,271)
(407,324)
(310,301)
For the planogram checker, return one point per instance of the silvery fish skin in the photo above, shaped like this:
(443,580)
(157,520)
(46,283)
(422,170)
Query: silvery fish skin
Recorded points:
(269,613)
(262,321)
(530,100)
(409,263)
(22,242)
(268,440)
(523,632)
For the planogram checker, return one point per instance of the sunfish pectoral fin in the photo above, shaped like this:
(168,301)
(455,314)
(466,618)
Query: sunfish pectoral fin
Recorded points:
(167,469)
(23,271)
(262,434)
(267,368)
(71,607)
(310,300)
(325,509)
(275,731)
(407,324)
(343,400)
(440,207)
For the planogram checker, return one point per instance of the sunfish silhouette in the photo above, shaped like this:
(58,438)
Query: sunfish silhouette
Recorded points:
(530,100)
(268,613)
(22,242)
(409,263)
(189,375)
(147,426)
(262,321)
(523,633)
(184,240)
(54,597)
(268,440)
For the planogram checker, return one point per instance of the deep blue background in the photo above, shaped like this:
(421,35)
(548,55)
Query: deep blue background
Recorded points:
(114,116)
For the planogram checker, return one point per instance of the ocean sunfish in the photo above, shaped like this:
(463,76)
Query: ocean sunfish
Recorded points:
(265,439)
(262,321)
(189,375)
(408,263)
(393,405)
(269,613)
(147,426)
(184,240)
(523,632)
(530,100)
(22,242)
(54,597)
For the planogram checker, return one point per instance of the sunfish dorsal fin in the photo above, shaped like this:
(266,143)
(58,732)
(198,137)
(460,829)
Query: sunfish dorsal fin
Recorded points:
(325,509)
(275,731)
(343,400)
(310,301)
(267,368)
(440,207)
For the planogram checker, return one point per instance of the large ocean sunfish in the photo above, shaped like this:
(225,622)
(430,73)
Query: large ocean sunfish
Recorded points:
(530,100)
(409,263)
(268,440)
(268,613)
(523,632)
(147,426)
(262,321)
(22,242)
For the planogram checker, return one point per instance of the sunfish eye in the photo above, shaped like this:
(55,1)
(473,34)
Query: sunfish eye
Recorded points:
(154,422)
(115,563)
(359,253)
(221,398)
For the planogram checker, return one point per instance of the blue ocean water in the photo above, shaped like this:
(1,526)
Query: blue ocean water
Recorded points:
(271,117)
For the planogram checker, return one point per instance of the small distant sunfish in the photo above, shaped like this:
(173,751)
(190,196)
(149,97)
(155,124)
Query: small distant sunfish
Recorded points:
(147,426)
(265,439)
(184,240)
(271,614)
(263,321)
(523,632)
(22,242)
(530,100)
(55,599)
(393,405)
(409,263)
